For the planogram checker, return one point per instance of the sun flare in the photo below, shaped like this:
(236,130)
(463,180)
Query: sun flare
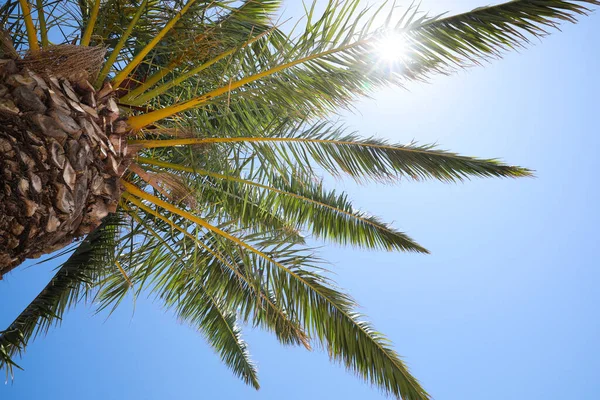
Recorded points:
(392,47)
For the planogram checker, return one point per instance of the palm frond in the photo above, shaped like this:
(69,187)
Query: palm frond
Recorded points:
(203,288)
(219,326)
(249,23)
(446,43)
(243,206)
(328,314)
(304,202)
(186,293)
(120,44)
(341,153)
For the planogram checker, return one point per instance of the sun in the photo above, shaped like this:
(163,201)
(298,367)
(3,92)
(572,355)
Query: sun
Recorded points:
(392,47)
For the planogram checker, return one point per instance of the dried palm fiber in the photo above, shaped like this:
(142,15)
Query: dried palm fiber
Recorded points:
(171,186)
(62,151)
(66,61)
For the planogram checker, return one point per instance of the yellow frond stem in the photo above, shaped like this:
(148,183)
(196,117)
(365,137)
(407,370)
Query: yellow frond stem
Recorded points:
(139,121)
(133,200)
(115,53)
(29,25)
(42,20)
(137,96)
(89,29)
(137,192)
(123,273)
(153,144)
(142,54)
(164,164)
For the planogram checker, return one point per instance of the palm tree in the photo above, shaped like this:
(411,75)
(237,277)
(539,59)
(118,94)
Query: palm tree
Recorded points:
(187,140)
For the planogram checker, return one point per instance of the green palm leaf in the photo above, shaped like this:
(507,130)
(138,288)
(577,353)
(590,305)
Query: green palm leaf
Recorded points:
(353,342)
(220,329)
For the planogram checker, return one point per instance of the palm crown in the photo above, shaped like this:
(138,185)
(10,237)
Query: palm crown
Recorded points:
(216,118)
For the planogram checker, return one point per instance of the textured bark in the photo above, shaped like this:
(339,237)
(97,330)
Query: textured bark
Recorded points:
(60,161)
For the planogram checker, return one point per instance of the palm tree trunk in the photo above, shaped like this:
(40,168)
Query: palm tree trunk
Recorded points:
(61,157)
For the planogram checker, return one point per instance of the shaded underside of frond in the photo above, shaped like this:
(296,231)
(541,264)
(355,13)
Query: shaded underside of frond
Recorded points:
(321,309)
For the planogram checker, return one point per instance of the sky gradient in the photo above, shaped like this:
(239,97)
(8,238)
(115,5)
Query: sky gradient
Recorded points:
(505,307)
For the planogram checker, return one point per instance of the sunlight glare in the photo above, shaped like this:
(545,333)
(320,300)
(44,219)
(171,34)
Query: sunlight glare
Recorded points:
(392,47)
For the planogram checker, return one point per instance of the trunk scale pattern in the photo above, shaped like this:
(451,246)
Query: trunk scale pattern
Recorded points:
(62,152)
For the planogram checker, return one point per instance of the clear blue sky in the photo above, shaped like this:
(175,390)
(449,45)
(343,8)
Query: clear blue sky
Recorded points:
(504,308)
